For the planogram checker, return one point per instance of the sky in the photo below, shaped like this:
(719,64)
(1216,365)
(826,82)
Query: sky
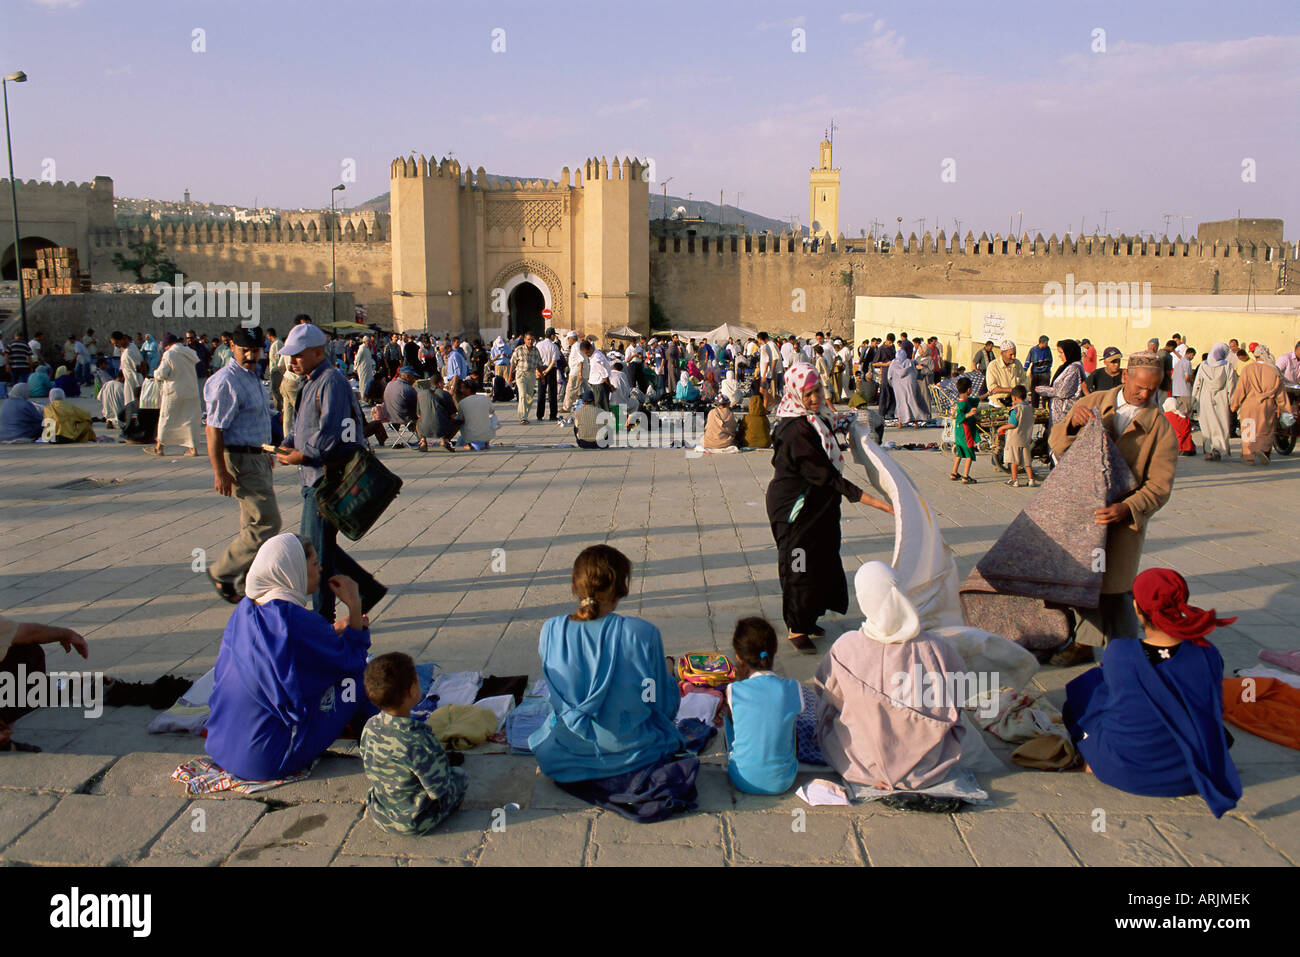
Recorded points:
(983,114)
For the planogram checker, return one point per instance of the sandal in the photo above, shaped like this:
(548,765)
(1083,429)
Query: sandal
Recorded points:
(226,590)
(954,476)
(188,452)
(967,480)
(803,644)
(153,450)
(1013,483)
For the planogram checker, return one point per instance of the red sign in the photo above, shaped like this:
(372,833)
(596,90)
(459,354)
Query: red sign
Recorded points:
(546,313)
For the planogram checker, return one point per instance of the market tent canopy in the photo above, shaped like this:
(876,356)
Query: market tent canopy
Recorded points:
(623,332)
(345,326)
(728,331)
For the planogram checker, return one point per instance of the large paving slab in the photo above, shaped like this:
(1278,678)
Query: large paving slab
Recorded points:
(477,553)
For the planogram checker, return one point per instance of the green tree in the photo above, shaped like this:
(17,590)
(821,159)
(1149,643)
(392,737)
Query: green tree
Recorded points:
(147,262)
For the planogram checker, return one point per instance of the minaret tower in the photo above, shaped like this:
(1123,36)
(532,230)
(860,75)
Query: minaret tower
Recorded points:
(824,193)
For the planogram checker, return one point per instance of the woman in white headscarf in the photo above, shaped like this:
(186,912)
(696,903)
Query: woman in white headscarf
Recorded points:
(887,716)
(287,681)
(730,388)
(1215,380)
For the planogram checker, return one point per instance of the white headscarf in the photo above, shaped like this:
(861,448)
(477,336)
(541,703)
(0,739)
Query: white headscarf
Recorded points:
(891,616)
(278,571)
(57,395)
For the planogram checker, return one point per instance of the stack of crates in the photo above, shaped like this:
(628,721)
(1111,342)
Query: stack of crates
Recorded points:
(57,272)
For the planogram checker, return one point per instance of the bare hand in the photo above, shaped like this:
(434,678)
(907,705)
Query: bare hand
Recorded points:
(289,457)
(1119,512)
(223,482)
(876,503)
(71,640)
(346,591)
(1080,416)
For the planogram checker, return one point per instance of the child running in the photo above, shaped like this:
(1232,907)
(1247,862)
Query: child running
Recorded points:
(762,708)
(963,432)
(413,787)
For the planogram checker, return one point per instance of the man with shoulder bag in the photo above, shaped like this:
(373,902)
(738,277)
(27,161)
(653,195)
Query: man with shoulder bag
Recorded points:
(328,430)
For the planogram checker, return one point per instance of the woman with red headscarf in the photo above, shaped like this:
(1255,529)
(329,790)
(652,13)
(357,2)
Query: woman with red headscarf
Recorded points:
(1150,720)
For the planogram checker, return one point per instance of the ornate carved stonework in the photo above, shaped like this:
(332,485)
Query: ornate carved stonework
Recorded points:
(542,272)
(524,214)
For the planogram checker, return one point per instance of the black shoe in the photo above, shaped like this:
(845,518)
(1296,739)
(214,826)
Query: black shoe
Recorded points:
(226,590)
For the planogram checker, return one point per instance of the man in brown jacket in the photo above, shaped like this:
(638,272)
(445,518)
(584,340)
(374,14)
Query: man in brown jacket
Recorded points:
(1149,446)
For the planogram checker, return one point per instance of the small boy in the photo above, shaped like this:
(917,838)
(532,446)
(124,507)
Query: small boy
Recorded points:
(1019,432)
(413,787)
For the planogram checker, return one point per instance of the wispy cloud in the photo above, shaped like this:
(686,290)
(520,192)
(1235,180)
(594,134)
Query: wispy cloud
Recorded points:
(56,4)
(126,70)
(781,24)
(855,17)
(640,103)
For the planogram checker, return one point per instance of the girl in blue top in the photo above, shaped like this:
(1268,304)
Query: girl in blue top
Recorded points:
(614,701)
(762,708)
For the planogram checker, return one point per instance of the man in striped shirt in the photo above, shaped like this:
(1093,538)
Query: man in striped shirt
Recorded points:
(18,359)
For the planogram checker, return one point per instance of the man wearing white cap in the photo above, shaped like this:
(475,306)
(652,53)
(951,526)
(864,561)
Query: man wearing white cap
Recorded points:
(327,430)
(578,372)
(1004,375)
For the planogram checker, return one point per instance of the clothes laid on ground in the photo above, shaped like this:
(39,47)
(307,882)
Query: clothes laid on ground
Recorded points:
(1286,677)
(760,733)
(1285,659)
(413,787)
(204,776)
(1155,730)
(493,685)
(456,687)
(650,794)
(696,734)
(698,706)
(601,724)
(531,714)
(1047,557)
(463,726)
(819,793)
(959,787)
(1273,714)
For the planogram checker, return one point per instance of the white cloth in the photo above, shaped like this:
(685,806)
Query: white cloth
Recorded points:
(819,792)
(891,617)
(131,379)
(549,352)
(456,687)
(1125,413)
(112,397)
(500,705)
(279,570)
(701,707)
(927,573)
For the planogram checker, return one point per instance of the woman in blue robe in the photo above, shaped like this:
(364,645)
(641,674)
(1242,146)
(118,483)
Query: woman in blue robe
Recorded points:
(19,418)
(1150,720)
(287,682)
(614,701)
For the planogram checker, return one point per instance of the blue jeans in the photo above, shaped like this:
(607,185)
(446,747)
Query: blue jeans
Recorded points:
(333,560)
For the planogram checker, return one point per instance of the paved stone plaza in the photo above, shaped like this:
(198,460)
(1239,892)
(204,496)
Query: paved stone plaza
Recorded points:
(113,561)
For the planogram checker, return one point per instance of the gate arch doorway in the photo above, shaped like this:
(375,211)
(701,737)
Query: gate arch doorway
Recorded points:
(30,244)
(526,303)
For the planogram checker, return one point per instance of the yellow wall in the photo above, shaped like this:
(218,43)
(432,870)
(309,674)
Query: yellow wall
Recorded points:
(960,325)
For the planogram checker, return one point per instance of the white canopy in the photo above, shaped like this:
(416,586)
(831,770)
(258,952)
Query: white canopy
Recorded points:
(728,331)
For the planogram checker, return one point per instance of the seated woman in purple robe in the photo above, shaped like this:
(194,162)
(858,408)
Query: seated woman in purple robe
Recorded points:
(287,682)
(1150,720)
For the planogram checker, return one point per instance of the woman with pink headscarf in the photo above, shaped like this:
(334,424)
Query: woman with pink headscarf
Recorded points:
(803,506)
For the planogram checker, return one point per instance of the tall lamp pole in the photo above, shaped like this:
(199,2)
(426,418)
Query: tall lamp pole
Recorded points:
(334,291)
(17,77)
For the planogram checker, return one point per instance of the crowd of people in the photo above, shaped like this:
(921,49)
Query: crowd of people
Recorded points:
(1149,721)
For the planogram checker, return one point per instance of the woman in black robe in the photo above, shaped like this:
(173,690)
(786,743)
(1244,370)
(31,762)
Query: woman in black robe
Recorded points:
(803,505)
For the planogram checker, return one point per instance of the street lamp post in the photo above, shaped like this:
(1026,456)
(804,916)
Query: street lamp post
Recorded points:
(17,77)
(334,283)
